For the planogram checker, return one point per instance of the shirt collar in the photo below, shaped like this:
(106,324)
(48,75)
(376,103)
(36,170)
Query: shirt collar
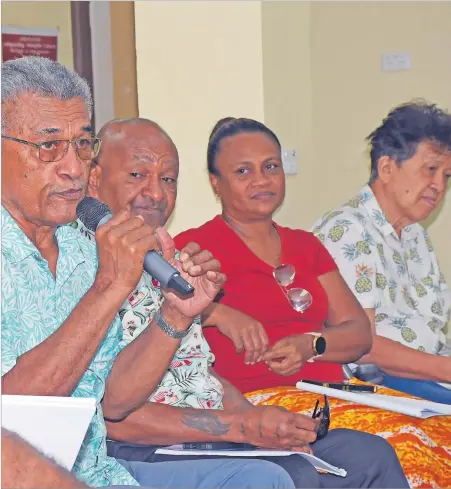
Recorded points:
(368,200)
(16,246)
(83,229)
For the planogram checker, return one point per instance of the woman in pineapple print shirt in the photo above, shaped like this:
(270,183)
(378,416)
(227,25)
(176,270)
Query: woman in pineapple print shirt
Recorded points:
(387,258)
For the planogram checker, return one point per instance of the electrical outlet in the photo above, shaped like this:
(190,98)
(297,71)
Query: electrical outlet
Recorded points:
(289,161)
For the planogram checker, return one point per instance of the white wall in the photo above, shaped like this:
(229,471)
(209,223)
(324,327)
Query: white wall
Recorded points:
(102,62)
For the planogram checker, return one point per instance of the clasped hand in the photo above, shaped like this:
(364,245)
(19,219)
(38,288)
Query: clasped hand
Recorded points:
(287,355)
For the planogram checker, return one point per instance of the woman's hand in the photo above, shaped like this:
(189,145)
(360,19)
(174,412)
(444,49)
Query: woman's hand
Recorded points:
(246,333)
(287,356)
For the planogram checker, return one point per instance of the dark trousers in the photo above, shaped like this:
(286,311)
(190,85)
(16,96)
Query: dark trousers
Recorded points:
(369,460)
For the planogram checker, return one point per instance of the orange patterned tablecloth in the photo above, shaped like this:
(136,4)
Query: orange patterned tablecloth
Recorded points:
(423,445)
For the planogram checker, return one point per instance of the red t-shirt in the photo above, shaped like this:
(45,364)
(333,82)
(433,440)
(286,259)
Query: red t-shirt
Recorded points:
(252,289)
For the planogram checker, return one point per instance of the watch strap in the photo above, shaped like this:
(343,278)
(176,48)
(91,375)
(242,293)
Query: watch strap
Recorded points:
(316,353)
(169,330)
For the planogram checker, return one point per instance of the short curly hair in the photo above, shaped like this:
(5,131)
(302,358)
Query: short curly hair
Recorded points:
(405,127)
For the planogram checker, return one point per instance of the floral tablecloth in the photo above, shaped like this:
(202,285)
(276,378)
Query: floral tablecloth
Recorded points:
(423,445)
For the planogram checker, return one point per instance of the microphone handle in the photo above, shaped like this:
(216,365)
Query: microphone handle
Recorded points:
(156,266)
(166,274)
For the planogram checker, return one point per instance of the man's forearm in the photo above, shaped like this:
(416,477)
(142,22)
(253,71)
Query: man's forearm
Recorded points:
(161,424)
(24,467)
(55,366)
(140,366)
(233,399)
(402,361)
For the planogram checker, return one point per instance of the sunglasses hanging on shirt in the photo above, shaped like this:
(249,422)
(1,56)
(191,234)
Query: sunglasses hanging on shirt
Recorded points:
(300,299)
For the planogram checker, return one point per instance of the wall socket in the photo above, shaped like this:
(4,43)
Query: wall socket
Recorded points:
(289,161)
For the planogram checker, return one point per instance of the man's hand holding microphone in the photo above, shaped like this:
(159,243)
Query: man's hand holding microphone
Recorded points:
(125,243)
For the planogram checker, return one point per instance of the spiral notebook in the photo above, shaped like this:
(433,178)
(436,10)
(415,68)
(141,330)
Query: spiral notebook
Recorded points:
(412,407)
(54,425)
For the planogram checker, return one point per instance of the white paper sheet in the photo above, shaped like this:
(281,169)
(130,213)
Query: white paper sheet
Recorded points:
(54,425)
(412,407)
(261,452)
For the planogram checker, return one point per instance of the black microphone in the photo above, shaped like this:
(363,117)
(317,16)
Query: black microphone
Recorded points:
(93,214)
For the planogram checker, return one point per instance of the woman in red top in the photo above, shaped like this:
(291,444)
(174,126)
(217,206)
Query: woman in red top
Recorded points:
(246,173)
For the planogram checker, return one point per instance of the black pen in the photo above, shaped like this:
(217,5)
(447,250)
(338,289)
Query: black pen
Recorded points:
(218,446)
(344,387)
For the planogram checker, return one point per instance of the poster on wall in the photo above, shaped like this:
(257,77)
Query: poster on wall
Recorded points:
(24,41)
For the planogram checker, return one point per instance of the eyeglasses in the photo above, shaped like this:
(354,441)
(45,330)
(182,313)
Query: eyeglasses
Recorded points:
(49,151)
(324,413)
(300,299)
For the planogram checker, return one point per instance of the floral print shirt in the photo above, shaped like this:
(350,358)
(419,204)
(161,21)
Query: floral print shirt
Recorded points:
(399,277)
(188,381)
(34,305)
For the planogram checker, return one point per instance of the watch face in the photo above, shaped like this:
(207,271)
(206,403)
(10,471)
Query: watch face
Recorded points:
(320,345)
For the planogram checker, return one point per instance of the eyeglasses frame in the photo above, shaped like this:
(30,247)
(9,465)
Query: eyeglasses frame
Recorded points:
(68,141)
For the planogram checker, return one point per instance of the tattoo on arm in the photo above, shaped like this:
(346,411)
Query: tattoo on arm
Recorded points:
(242,428)
(277,434)
(260,432)
(207,422)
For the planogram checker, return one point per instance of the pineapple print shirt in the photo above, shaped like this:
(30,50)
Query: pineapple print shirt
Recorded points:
(188,381)
(34,305)
(398,277)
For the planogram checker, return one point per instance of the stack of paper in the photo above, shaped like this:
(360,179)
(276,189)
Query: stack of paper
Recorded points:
(319,464)
(412,407)
(54,425)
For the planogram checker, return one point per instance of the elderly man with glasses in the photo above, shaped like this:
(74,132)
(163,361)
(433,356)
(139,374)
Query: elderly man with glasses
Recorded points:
(138,167)
(60,329)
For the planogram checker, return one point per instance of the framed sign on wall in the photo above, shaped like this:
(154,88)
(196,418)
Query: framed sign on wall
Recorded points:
(23,41)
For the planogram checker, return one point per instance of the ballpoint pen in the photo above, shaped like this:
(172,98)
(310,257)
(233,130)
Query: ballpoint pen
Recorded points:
(344,386)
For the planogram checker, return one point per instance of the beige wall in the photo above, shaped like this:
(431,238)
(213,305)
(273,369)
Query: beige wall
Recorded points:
(288,102)
(351,95)
(311,70)
(43,14)
(197,62)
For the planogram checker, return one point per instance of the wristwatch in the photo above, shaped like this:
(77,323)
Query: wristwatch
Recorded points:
(319,345)
(169,330)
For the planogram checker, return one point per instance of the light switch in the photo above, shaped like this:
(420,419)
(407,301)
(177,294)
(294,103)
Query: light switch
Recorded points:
(396,61)
(289,161)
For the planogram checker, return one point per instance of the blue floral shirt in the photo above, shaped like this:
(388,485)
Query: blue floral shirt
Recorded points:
(34,305)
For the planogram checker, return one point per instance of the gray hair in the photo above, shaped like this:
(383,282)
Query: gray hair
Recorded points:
(42,76)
